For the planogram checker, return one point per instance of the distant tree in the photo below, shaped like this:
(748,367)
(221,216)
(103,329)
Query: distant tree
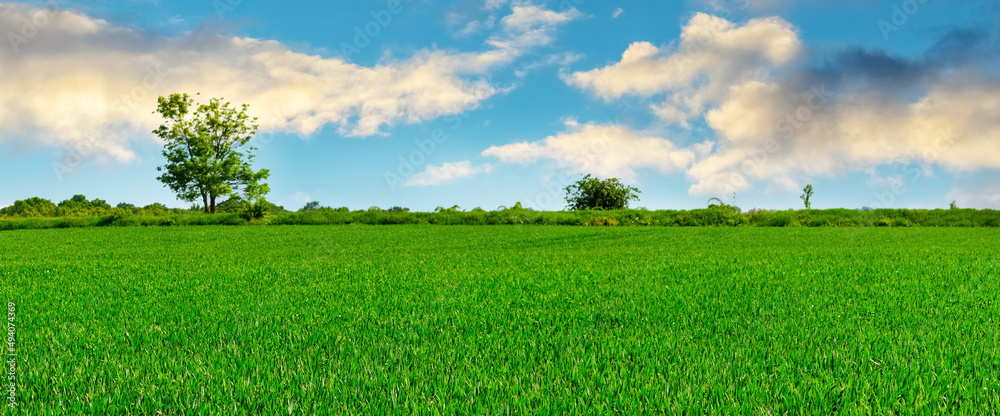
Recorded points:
(953,205)
(100,203)
(31,207)
(399,209)
(808,193)
(202,148)
(723,206)
(272,207)
(128,207)
(155,208)
(593,193)
(77,203)
(233,204)
(310,206)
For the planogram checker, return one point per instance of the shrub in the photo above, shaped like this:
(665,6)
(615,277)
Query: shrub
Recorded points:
(602,221)
(254,211)
(593,193)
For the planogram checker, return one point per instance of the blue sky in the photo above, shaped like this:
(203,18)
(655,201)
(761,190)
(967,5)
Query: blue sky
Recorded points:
(489,102)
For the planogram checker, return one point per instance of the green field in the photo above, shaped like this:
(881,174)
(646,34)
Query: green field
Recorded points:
(504,320)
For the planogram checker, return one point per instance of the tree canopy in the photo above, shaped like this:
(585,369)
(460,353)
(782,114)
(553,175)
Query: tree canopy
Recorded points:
(203,150)
(594,193)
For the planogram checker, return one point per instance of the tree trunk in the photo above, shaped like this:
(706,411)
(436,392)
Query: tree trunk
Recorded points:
(213,204)
(204,200)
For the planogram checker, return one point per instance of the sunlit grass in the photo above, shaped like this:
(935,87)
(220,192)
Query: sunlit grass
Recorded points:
(464,320)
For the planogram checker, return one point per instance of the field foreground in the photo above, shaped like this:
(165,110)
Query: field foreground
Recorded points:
(505,319)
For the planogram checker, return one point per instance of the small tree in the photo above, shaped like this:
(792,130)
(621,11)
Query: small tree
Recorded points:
(953,205)
(723,206)
(808,193)
(593,193)
(310,206)
(202,148)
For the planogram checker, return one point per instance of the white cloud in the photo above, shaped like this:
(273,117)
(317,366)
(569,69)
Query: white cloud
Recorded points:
(447,172)
(602,150)
(778,119)
(494,4)
(976,196)
(301,197)
(712,54)
(776,133)
(733,7)
(83,82)
(475,26)
(561,60)
(530,26)
(617,13)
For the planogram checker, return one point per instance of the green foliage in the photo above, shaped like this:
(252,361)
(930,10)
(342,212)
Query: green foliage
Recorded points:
(233,204)
(593,193)
(310,206)
(454,208)
(953,205)
(128,207)
(203,151)
(723,206)
(529,320)
(255,210)
(31,207)
(717,215)
(807,193)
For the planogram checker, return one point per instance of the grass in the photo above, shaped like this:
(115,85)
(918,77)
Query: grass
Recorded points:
(501,320)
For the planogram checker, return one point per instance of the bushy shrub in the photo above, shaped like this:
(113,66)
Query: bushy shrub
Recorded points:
(255,211)
(602,222)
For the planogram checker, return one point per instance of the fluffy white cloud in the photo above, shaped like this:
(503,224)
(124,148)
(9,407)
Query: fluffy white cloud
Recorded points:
(494,4)
(529,26)
(447,172)
(976,196)
(778,119)
(82,82)
(602,150)
(301,197)
(617,13)
(733,7)
(712,54)
(775,133)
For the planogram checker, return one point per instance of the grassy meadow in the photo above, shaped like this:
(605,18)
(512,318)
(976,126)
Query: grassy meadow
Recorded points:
(504,320)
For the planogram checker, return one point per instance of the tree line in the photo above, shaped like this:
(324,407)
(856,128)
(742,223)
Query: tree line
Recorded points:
(81,206)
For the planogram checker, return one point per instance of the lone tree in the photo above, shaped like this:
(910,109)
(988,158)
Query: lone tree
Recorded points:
(203,154)
(593,193)
(808,193)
